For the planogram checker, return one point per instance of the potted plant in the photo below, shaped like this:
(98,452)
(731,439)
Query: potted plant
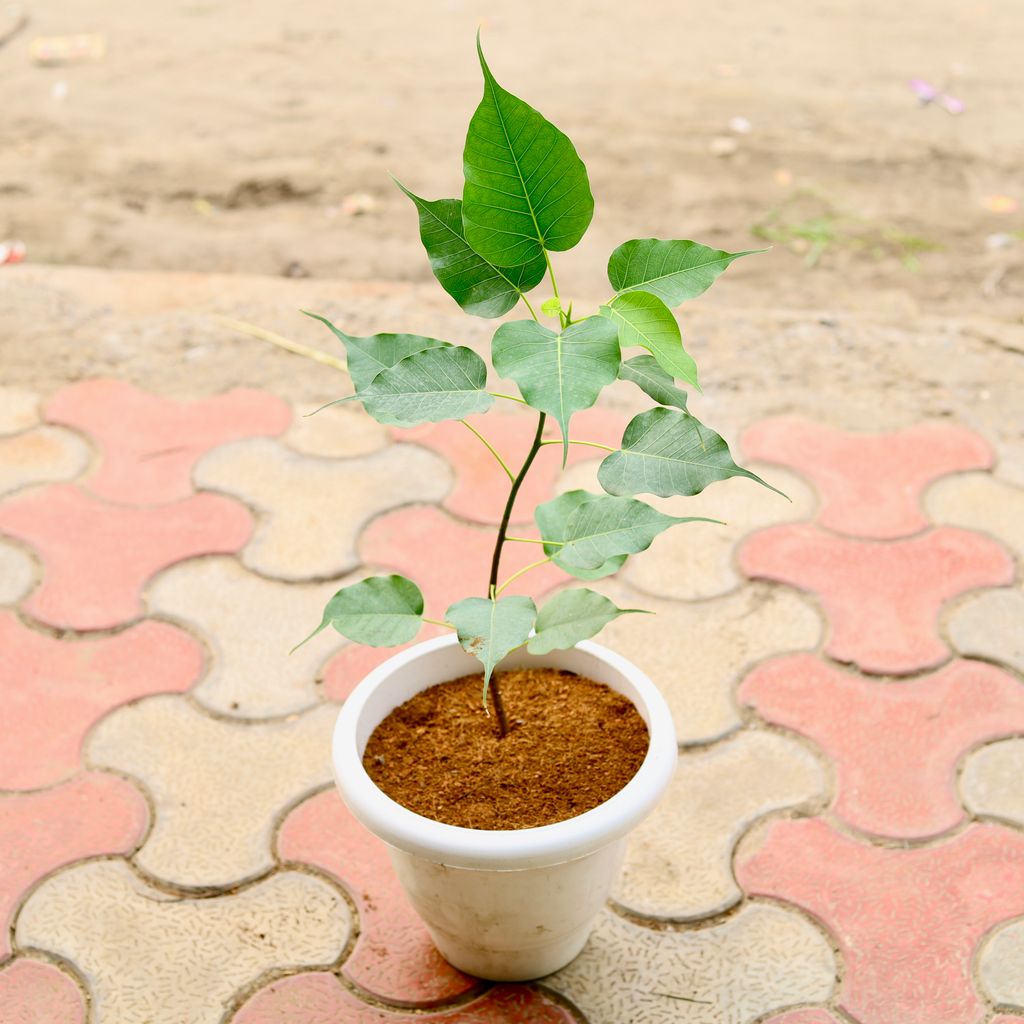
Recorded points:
(504,764)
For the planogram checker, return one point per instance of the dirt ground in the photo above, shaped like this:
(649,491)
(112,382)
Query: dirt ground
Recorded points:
(221,136)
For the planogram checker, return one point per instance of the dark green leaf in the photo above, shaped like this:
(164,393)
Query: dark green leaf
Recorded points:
(427,387)
(673,270)
(491,629)
(645,372)
(665,452)
(476,285)
(381,611)
(558,373)
(643,319)
(572,616)
(552,517)
(526,187)
(368,356)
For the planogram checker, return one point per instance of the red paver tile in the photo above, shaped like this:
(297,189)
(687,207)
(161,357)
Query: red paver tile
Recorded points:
(52,691)
(39,832)
(149,443)
(895,745)
(481,486)
(319,998)
(870,484)
(32,992)
(394,959)
(907,921)
(803,1017)
(882,600)
(97,556)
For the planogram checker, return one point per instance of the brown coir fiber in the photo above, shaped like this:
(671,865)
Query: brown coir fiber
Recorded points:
(572,744)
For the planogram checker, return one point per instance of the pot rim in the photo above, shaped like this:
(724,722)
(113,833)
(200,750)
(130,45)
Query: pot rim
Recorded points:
(508,849)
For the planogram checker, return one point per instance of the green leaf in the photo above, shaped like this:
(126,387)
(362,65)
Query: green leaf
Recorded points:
(558,373)
(643,319)
(673,270)
(491,629)
(572,616)
(551,307)
(552,517)
(666,452)
(429,386)
(477,285)
(368,356)
(602,527)
(526,187)
(647,375)
(381,611)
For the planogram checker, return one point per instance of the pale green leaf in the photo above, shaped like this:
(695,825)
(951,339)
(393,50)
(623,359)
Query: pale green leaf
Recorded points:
(551,307)
(647,374)
(552,517)
(572,616)
(526,187)
(475,284)
(666,452)
(643,319)
(674,270)
(491,629)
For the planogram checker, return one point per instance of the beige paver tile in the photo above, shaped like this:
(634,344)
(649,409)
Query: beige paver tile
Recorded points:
(312,509)
(696,652)
(17,573)
(978,501)
(990,625)
(19,410)
(679,864)
(762,959)
(151,958)
(991,780)
(216,785)
(250,624)
(342,431)
(1001,965)
(40,456)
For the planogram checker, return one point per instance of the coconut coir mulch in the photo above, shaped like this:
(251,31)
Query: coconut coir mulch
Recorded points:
(572,744)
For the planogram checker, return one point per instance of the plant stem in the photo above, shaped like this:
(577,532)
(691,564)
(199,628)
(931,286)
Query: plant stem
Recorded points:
(528,306)
(487,444)
(534,540)
(438,622)
(520,572)
(589,444)
(492,584)
(281,342)
(511,398)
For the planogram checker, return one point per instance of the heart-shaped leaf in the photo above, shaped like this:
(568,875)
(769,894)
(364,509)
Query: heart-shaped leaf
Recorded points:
(368,356)
(572,616)
(526,187)
(674,270)
(429,386)
(491,629)
(643,319)
(381,611)
(647,374)
(558,373)
(666,452)
(477,285)
(552,517)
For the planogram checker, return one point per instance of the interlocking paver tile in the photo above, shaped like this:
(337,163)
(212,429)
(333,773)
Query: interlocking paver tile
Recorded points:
(40,456)
(152,958)
(481,485)
(870,484)
(695,653)
(977,501)
(319,998)
(992,781)
(1001,965)
(251,624)
(19,410)
(906,921)
(17,572)
(990,625)
(90,815)
(803,1017)
(53,691)
(149,443)
(312,509)
(761,959)
(348,667)
(217,785)
(882,599)
(394,959)
(342,431)
(33,992)
(97,556)
(679,864)
(895,745)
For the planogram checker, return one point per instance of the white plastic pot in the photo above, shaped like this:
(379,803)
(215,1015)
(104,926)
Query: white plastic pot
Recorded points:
(503,905)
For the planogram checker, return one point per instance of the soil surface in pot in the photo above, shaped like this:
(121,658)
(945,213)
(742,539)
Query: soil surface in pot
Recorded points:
(572,744)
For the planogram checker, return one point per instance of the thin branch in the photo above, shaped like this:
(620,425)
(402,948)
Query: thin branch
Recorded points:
(516,575)
(535,540)
(589,444)
(438,622)
(511,398)
(281,342)
(487,444)
(528,306)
